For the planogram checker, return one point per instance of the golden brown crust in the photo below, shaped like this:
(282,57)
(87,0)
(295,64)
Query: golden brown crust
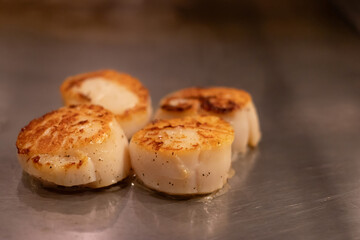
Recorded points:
(64,129)
(211,132)
(124,80)
(218,100)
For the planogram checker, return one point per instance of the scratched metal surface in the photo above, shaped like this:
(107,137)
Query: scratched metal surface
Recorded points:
(300,61)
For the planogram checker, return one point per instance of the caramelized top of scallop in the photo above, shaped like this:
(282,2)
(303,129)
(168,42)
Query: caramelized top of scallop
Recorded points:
(218,100)
(66,128)
(201,132)
(118,92)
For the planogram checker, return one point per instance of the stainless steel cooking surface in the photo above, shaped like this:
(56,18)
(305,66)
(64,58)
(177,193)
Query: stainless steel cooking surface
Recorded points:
(299,60)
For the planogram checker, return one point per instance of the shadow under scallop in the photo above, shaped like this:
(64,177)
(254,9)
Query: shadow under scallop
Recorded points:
(242,167)
(83,210)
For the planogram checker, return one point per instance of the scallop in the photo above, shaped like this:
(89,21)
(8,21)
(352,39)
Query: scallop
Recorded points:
(81,145)
(186,156)
(120,93)
(233,105)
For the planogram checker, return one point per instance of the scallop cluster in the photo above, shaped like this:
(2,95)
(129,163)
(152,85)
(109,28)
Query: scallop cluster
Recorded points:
(86,142)
(186,150)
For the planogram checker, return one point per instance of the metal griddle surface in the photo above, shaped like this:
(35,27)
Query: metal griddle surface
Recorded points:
(301,66)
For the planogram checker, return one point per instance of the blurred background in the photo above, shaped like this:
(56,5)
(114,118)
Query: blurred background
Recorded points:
(294,53)
(193,42)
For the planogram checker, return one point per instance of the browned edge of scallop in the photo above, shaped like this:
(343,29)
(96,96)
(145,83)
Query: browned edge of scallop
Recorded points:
(62,126)
(123,79)
(218,100)
(212,131)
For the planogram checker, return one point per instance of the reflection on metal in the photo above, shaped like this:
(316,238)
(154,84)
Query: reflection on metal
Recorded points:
(74,209)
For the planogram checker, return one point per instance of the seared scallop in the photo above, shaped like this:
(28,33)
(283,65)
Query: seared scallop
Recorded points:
(80,145)
(120,93)
(184,156)
(233,105)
